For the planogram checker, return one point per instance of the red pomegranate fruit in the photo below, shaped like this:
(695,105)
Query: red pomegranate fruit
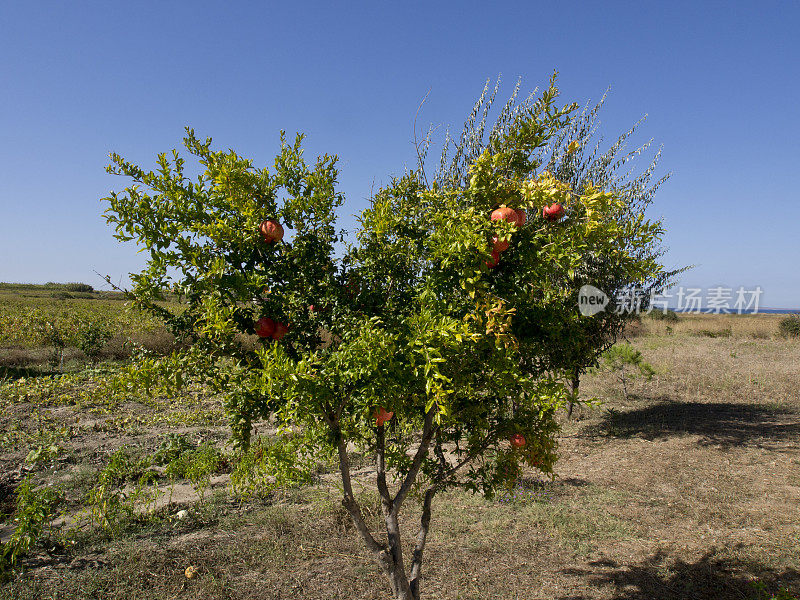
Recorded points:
(271,230)
(553,212)
(498,245)
(265,327)
(504,213)
(281,329)
(494,260)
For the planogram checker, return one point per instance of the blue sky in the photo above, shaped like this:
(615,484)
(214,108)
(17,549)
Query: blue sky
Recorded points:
(718,81)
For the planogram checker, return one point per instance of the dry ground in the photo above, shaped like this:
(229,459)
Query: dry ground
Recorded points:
(687,489)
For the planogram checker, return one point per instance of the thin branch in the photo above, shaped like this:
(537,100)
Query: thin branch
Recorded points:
(416,145)
(440,481)
(154,308)
(437,449)
(341,406)
(386,498)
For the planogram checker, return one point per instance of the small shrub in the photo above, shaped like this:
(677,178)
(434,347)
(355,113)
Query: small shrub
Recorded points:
(109,501)
(789,326)
(268,465)
(91,338)
(171,448)
(43,454)
(53,336)
(197,466)
(720,333)
(78,287)
(762,593)
(34,508)
(668,315)
(623,361)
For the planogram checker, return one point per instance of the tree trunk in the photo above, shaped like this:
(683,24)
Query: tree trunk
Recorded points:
(574,387)
(390,555)
(400,587)
(624,381)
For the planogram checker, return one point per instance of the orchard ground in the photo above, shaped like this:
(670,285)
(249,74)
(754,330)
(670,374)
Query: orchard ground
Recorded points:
(690,488)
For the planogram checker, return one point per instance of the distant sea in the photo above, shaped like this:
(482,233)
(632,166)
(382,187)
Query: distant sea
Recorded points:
(772,311)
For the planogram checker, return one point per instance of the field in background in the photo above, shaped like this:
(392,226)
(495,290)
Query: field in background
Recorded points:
(689,487)
(43,325)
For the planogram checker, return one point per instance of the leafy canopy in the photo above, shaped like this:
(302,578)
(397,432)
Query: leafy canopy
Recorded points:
(410,318)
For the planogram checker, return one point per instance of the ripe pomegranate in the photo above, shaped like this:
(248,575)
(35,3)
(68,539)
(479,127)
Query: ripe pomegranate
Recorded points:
(281,329)
(553,212)
(382,415)
(494,260)
(271,230)
(517,440)
(265,327)
(504,213)
(522,217)
(499,246)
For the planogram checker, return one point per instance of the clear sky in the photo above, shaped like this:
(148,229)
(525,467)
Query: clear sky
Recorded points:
(719,81)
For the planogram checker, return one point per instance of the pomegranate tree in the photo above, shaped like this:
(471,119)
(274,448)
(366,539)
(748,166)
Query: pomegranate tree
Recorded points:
(413,320)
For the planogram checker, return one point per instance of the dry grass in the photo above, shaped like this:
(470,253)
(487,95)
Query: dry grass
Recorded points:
(760,326)
(689,489)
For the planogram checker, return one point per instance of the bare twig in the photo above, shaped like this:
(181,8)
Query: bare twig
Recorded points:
(416,144)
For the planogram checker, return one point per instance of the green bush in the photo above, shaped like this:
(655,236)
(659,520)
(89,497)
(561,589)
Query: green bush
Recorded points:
(197,466)
(625,363)
(762,592)
(78,287)
(268,465)
(34,509)
(789,326)
(724,333)
(110,503)
(670,316)
(171,448)
(91,337)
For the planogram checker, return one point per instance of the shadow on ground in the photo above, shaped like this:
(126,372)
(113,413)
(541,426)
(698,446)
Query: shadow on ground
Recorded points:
(17,372)
(724,423)
(710,578)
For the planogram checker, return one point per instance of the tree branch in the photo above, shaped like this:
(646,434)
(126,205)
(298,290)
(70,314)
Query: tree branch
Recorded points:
(349,500)
(442,479)
(422,451)
(383,489)
(422,536)
(437,449)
